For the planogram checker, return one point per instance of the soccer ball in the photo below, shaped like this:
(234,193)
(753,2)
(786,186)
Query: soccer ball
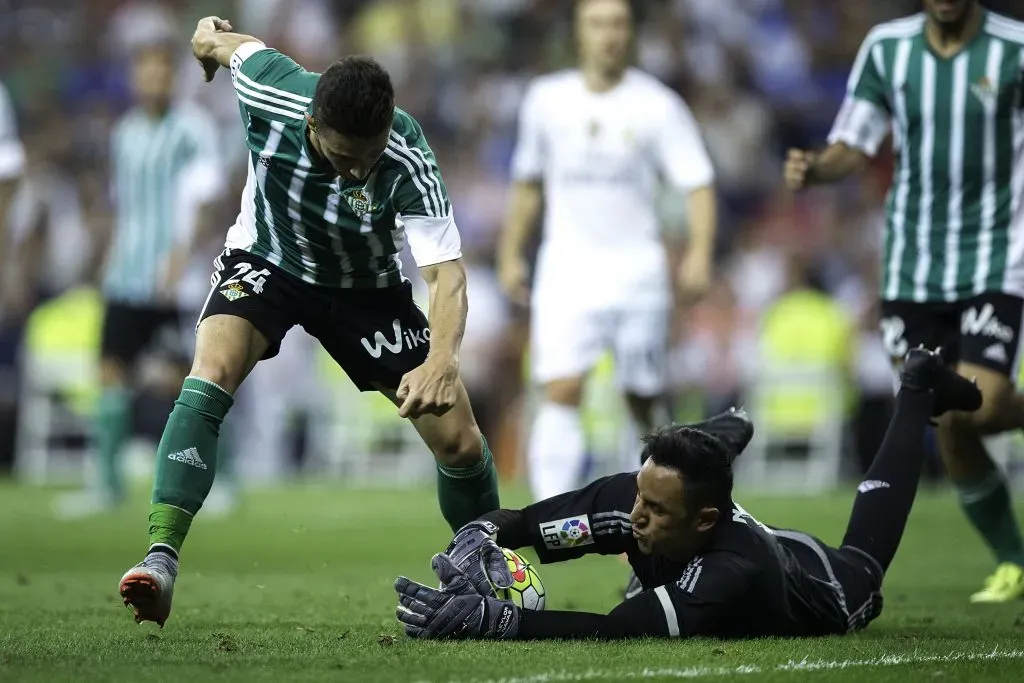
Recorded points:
(527,591)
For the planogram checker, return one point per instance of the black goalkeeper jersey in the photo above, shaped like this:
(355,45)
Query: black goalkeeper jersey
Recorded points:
(748,580)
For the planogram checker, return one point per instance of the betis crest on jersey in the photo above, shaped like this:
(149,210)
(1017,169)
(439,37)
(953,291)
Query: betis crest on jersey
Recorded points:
(360,202)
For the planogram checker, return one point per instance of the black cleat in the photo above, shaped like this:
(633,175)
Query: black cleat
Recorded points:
(924,370)
(733,428)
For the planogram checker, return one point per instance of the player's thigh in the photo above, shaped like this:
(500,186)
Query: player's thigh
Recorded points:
(641,354)
(454,438)
(566,342)
(990,352)
(251,306)
(376,335)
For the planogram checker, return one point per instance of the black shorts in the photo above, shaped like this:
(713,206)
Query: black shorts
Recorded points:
(375,335)
(130,329)
(983,330)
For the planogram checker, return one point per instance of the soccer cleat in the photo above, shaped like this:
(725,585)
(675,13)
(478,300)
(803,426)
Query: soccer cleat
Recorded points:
(1006,585)
(733,428)
(147,589)
(924,370)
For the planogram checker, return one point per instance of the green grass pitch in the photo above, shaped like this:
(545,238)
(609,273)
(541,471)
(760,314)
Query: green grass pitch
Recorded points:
(296,586)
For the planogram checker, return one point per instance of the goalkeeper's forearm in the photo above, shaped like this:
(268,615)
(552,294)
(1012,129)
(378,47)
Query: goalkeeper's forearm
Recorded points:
(513,531)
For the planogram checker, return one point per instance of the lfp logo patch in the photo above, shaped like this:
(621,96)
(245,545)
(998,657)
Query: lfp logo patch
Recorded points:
(570,532)
(574,532)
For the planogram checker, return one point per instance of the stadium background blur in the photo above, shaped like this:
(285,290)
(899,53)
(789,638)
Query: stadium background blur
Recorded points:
(794,292)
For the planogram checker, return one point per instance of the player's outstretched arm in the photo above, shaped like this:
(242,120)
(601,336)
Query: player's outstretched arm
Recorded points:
(213,43)
(522,218)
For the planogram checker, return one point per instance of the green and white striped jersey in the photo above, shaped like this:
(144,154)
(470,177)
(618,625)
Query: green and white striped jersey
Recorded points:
(955,219)
(161,170)
(298,214)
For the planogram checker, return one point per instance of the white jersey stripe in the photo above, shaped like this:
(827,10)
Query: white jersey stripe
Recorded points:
(421,162)
(924,222)
(295,188)
(671,620)
(428,202)
(988,191)
(902,190)
(273,141)
(304,101)
(266,107)
(276,101)
(955,221)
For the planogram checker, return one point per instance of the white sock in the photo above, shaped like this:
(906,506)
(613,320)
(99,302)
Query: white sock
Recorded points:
(556,450)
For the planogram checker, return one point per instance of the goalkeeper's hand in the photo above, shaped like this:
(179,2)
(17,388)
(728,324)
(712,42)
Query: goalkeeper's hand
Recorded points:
(456,611)
(475,553)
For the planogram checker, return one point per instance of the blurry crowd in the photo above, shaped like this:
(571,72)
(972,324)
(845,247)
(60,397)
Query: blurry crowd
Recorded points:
(759,75)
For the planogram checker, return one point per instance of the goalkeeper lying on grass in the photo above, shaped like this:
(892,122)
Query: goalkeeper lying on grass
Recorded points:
(708,568)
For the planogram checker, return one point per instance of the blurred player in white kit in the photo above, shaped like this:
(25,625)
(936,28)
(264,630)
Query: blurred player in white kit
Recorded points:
(596,145)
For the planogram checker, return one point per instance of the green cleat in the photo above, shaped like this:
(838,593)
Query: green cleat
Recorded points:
(1006,585)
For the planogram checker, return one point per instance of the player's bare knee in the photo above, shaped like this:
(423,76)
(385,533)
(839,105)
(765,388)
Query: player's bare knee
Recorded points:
(568,392)
(460,449)
(220,371)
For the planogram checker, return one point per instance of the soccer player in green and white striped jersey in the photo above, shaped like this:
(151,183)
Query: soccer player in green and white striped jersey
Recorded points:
(339,179)
(949,84)
(165,174)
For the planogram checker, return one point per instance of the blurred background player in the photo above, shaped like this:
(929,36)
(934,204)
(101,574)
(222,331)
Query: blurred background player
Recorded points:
(12,160)
(594,142)
(165,174)
(948,82)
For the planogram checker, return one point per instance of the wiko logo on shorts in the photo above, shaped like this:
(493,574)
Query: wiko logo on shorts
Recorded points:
(409,339)
(985,323)
(189,456)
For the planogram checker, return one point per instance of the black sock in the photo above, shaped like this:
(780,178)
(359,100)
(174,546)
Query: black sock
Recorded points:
(886,495)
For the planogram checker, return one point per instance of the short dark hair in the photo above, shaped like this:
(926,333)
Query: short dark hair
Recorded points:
(701,459)
(355,97)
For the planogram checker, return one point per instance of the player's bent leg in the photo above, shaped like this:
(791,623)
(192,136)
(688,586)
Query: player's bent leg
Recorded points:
(885,497)
(556,448)
(113,424)
(227,348)
(979,482)
(467,483)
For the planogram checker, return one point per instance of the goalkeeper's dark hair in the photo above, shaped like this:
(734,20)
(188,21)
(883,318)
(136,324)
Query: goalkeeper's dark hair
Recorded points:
(701,459)
(355,97)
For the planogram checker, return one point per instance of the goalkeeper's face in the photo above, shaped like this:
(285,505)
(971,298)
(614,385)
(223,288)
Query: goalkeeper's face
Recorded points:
(663,523)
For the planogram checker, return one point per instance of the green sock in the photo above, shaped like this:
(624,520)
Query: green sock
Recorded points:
(113,423)
(186,460)
(986,502)
(465,493)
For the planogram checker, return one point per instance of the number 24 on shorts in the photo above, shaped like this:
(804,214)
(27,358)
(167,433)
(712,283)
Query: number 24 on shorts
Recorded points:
(254,278)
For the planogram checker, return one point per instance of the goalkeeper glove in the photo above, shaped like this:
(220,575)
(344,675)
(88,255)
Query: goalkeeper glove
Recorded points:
(474,551)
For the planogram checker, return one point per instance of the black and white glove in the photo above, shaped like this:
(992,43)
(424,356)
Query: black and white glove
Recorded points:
(475,552)
(455,611)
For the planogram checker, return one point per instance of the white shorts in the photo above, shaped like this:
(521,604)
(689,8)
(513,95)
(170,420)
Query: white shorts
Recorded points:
(567,343)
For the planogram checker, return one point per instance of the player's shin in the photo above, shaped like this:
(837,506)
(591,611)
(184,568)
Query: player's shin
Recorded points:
(186,460)
(466,493)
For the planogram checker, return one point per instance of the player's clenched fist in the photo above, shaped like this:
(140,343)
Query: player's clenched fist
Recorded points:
(798,166)
(202,46)
(430,389)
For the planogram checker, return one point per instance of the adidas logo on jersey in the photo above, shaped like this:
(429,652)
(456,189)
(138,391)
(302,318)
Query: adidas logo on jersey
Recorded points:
(189,456)
(409,339)
(997,353)
(872,485)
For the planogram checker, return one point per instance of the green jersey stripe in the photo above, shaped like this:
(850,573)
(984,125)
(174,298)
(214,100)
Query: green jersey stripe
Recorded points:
(421,176)
(927,194)
(955,207)
(900,194)
(295,189)
(270,90)
(988,193)
(274,138)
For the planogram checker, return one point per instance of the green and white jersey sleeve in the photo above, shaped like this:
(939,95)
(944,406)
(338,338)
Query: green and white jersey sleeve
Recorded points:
(865,117)
(421,198)
(270,85)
